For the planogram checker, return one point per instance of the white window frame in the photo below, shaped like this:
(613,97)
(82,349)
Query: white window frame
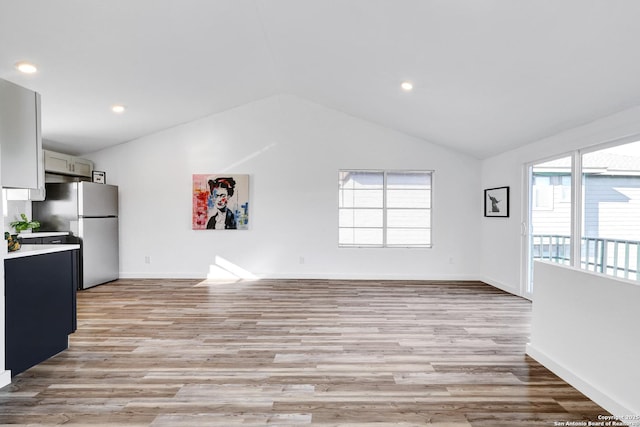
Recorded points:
(577,214)
(385,208)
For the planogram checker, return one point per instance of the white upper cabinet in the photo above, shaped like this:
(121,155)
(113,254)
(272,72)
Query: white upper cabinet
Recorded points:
(57,162)
(66,164)
(81,167)
(20,139)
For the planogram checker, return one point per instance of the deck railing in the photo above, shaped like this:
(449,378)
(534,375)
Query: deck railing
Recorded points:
(614,257)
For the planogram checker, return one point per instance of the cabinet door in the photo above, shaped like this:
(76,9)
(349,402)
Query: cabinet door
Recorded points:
(39,308)
(20,139)
(57,162)
(82,167)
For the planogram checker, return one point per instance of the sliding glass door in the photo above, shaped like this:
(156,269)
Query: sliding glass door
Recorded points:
(549,214)
(610,241)
(592,222)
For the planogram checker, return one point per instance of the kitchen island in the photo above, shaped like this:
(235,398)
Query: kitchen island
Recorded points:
(40,303)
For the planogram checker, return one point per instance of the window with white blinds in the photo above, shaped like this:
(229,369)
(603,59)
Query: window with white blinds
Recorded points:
(384,208)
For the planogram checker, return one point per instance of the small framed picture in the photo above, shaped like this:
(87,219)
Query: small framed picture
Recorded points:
(496,202)
(99,177)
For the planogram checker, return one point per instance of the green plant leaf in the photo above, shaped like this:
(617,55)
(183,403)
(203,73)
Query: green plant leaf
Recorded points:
(24,224)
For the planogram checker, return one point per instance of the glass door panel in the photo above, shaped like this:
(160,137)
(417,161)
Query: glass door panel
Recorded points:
(550,213)
(610,241)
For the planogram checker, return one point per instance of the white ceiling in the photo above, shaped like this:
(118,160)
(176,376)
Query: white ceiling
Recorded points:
(489,75)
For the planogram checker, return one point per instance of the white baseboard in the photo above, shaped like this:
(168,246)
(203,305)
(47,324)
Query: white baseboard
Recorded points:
(581,384)
(501,286)
(358,276)
(155,275)
(293,276)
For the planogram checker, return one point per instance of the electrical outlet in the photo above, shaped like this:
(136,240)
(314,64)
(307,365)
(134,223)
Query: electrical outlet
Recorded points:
(147,259)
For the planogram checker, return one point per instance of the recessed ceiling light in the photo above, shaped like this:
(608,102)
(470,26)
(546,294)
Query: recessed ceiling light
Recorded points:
(407,86)
(118,109)
(26,67)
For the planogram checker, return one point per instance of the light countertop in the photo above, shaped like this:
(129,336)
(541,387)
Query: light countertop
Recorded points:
(29,250)
(44,234)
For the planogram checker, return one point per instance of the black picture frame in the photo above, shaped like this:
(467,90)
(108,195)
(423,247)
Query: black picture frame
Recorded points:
(99,177)
(496,202)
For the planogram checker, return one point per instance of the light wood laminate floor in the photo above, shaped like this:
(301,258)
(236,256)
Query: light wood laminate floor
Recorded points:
(295,353)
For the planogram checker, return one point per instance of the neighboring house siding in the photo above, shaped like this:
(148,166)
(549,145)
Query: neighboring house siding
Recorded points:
(612,207)
(552,214)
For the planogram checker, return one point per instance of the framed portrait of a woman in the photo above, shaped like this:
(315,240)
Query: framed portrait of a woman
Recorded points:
(220,202)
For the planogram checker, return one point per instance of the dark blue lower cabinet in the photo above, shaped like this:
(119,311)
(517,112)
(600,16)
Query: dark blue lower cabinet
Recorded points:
(40,307)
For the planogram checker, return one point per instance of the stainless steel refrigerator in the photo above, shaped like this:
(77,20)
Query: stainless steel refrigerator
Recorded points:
(89,211)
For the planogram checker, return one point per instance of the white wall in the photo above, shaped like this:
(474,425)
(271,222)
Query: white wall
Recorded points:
(584,328)
(502,266)
(5,376)
(501,238)
(14,208)
(292,150)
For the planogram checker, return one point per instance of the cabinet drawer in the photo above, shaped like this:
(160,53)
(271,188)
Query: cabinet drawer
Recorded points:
(54,240)
(49,240)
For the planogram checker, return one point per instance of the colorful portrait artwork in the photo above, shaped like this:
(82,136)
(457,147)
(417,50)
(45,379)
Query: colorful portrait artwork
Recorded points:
(220,202)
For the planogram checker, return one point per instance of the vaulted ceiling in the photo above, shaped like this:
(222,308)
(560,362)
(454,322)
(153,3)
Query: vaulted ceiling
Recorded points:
(488,75)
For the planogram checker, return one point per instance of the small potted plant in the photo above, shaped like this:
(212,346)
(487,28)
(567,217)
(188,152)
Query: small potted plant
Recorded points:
(24,224)
(13,243)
